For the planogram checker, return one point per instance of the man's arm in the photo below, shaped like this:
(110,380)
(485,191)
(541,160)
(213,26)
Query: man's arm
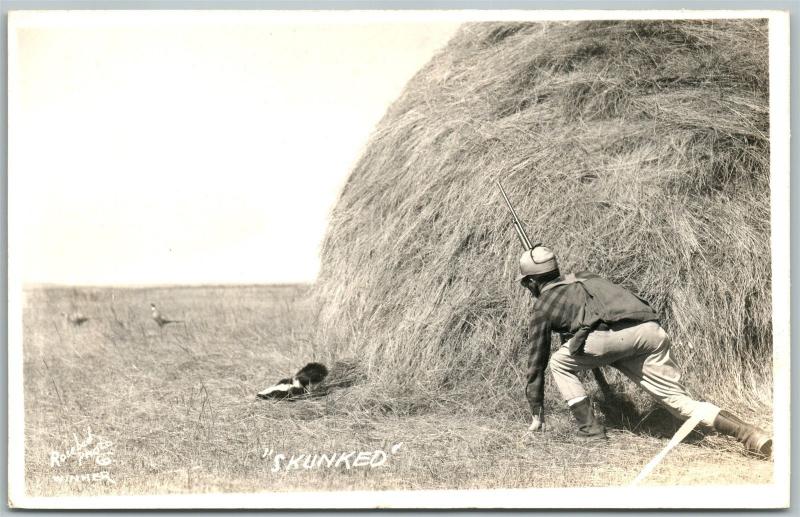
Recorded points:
(539,335)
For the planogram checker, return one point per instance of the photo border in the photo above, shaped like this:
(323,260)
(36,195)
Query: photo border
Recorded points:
(774,496)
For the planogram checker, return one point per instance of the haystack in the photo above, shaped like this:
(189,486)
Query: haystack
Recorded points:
(635,149)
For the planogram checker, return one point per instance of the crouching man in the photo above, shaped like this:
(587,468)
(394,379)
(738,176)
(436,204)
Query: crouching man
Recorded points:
(608,325)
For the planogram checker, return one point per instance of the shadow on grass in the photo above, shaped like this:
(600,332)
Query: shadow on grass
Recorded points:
(620,412)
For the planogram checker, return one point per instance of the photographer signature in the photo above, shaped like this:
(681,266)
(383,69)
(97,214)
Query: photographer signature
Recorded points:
(86,451)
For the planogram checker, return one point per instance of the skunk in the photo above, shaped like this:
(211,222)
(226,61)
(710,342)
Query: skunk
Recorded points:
(315,380)
(303,383)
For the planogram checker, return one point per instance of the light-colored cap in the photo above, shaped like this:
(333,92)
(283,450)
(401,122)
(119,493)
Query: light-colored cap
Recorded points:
(537,261)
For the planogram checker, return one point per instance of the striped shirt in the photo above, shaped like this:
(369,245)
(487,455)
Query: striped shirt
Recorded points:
(560,309)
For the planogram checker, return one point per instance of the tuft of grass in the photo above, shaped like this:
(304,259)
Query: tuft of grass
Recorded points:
(635,149)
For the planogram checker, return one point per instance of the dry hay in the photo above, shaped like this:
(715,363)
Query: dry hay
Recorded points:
(638,150)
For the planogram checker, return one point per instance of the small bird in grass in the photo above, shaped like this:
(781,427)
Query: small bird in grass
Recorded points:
(159,319)
(75,318)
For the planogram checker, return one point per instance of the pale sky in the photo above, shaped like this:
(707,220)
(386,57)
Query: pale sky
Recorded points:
(190,153)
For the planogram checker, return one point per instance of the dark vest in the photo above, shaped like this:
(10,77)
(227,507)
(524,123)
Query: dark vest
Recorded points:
(606,301)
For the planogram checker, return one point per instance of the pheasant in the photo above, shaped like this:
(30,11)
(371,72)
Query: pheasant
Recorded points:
(75,318)
(159,319)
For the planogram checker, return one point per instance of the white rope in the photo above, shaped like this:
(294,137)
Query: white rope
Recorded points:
(684,431)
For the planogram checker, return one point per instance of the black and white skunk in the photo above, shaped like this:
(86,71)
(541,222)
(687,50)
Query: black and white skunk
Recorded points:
(303,383)
(315,380)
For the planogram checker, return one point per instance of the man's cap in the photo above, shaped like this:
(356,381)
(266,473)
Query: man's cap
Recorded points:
(536,261)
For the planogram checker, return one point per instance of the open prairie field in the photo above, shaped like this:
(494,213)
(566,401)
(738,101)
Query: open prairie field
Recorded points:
(118,405)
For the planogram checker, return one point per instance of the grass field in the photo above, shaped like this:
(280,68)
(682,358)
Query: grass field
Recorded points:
(174,411)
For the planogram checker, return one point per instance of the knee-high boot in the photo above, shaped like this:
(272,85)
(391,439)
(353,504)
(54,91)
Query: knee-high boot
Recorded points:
(754,439)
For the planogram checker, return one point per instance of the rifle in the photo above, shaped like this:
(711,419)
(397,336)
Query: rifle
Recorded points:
(523,237)
(526,244)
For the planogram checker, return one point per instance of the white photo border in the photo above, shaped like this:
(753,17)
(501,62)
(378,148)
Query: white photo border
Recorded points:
(775,495)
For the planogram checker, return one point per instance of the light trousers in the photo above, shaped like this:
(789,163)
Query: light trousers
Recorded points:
(641,352)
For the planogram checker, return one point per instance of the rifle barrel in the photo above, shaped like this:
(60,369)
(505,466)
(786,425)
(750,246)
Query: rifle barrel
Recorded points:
(523,237)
